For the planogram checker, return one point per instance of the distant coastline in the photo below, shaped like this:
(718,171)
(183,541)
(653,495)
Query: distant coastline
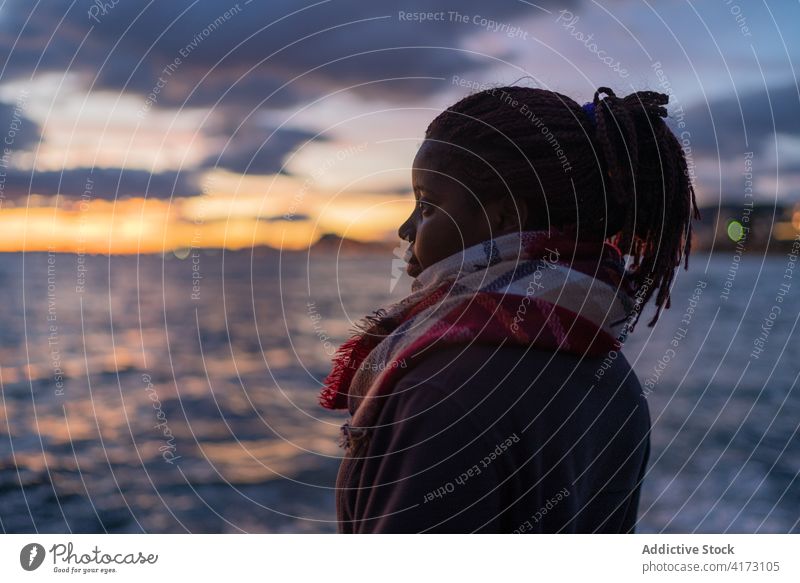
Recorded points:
(758,229)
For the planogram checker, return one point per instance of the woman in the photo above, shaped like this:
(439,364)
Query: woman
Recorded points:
(493,398)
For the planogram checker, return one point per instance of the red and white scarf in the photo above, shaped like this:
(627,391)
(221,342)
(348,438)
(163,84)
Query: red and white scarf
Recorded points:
(540,288)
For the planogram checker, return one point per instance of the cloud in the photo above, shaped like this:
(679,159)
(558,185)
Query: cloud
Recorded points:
(102,183)
(287,218)
(253,148)
(734,125)
(327,46)
(17,132)
(238,57)
(757,133)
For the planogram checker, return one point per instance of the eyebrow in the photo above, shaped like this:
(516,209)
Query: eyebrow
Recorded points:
(419,192)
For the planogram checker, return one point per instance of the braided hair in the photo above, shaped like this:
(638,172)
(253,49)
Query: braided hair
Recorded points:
(612,168)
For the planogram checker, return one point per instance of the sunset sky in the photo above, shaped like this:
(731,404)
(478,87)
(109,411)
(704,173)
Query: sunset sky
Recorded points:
(138,127)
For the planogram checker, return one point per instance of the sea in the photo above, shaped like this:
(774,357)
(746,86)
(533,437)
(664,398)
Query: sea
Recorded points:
(179,392)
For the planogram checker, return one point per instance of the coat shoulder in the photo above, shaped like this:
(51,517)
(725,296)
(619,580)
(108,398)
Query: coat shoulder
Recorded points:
(469,373)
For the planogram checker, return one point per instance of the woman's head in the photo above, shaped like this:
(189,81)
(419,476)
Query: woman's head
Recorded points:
(519,158)
(449,216)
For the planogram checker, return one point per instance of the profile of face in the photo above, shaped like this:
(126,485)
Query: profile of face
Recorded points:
(447,217)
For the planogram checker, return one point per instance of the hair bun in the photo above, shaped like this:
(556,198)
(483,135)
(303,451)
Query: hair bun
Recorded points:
(652,102)
(605,90)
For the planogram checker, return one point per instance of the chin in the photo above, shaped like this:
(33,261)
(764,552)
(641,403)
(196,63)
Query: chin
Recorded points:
(413,269)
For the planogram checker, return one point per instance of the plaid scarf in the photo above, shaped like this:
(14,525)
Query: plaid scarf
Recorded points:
(539,288)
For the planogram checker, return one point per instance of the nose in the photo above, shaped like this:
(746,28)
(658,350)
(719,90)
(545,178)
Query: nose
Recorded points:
(407,230)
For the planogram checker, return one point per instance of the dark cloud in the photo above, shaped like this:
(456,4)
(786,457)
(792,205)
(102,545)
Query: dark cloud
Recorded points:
(257,56)
(251,148)
(287,218)
(103,183)
(129,45)
(729,126)
(17,132)
(721,132)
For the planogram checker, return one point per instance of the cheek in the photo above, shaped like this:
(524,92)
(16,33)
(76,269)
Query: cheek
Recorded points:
(439,236)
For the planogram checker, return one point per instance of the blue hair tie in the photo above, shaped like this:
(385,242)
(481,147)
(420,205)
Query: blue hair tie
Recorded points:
(589,109)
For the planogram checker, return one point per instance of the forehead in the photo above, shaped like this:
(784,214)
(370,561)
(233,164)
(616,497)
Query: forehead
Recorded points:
(431,153)
(431,162)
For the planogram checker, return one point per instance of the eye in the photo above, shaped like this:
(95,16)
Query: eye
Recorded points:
(422,205)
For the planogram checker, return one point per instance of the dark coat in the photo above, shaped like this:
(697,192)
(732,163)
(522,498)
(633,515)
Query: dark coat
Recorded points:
(464,445)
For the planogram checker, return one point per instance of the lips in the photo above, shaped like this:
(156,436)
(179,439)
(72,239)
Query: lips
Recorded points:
(413,268)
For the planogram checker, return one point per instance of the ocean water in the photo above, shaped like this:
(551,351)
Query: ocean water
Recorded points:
(159,394)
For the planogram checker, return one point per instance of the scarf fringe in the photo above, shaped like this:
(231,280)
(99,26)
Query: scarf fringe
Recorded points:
(348,357)
(353,350)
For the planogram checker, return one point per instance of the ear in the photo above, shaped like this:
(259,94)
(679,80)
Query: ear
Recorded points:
(512,214)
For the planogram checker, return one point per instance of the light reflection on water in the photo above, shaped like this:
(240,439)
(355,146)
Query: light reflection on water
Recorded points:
(226,386)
